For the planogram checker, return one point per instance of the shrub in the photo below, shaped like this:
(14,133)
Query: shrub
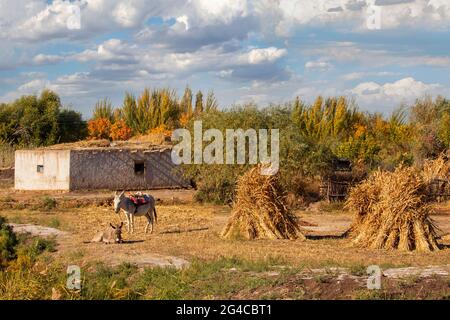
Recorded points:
(46,203)
(41,245)
(299,157)
(120,131)
(161,129)
(216,184)
(99,128)
(8,242)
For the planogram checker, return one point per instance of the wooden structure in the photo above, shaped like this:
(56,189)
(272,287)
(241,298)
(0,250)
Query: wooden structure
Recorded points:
(335,186)
(335,190)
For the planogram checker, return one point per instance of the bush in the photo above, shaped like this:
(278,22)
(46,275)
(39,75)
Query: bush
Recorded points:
(299,156)
(99,128)
(47,203)
(39,121)
(41,245)
(8,242)
(120,131)
(217,185)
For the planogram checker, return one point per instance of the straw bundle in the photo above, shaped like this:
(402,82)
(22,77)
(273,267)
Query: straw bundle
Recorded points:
(392,213)
(436,169)
(260,211)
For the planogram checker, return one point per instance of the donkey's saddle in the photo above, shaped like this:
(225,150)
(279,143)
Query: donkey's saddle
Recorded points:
(140,200)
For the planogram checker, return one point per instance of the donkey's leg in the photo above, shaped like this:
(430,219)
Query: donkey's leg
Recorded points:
(149,220)
(132,223)
(128,222)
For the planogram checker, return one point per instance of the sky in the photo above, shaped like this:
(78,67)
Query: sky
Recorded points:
(382,53)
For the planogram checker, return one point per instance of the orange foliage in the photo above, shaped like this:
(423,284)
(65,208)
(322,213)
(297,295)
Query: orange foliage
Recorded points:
(184,119)
(99,128)
(120,131)
(360,129)
(162,129)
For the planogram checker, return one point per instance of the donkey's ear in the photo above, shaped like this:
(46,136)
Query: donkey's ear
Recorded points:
(122,193)
(112,225)
(115,193)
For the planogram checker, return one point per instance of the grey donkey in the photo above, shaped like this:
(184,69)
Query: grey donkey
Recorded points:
(112,235)
(147,210)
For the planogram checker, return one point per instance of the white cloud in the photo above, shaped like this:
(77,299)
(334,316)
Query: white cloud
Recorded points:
(184,20)
(111,54)
(38,20)
(41,59)
(210,39)
(223,11)
(349,52)
(52,21)
(386,96)
(31,87)
(358,75)
(257,56)
(46,21)
(129,58)
(353,13)
(126,14)
(318,65)
(119,65)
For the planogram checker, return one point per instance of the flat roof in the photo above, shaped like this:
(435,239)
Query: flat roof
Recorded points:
(105,145)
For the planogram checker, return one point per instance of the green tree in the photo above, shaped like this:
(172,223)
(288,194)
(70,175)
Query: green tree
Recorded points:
(71,126)
(444,129)
(211,102)
(186,102)
(38,123)
(198,102)
(8,242)
(129,112)
(428,118)
(103,109)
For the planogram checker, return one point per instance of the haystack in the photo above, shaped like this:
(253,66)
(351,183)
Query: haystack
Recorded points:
(260,211)
(392,212)
(438,168)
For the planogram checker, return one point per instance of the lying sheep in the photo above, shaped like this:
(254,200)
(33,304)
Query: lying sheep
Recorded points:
(112,235)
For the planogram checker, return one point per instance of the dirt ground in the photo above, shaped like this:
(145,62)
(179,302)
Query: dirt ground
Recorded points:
(187,231)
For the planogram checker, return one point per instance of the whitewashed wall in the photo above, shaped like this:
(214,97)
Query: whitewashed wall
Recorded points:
(56,175)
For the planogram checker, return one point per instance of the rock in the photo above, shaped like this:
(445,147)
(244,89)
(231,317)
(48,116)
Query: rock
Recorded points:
(36,230)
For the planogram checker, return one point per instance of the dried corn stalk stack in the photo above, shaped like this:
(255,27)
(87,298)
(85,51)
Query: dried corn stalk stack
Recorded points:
(436,169)
(392,212)
(259,211)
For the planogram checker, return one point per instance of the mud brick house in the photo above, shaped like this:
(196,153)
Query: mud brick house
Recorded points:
(89,166)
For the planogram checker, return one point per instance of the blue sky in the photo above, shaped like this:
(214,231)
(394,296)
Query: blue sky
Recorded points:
(381,52)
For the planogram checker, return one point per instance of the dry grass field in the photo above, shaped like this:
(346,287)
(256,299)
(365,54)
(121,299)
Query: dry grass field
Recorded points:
(187,233)
(193,231)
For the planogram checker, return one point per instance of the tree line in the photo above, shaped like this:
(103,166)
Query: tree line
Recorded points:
(33,121)
(154,111)
(42,120)
(312,133)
